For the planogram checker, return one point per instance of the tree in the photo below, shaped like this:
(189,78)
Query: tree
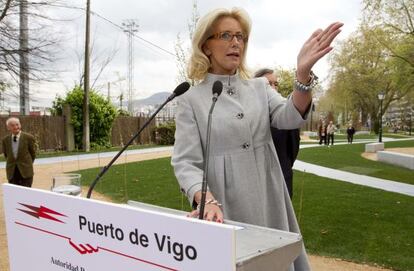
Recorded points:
(285,79)
(101,116)
(4,8)
(182,53)
(41,43)
(363,67)
(397,19)
(22,58)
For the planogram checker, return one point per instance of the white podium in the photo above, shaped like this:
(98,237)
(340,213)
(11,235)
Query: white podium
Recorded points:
(257,248)
(48,231)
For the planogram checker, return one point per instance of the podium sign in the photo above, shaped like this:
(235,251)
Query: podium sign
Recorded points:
(48,231)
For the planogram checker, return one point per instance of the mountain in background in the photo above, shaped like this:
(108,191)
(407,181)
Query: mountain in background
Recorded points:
(153,100)
(157,98)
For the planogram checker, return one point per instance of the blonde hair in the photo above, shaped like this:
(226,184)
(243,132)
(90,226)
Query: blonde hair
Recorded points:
(199,63)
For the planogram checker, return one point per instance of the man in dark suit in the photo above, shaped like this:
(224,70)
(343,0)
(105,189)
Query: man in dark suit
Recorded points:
(19,149)
(286,141)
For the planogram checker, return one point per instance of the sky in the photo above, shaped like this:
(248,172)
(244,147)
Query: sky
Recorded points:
(279,28)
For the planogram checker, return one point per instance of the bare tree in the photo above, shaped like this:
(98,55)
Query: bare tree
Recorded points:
(5,8)
(182,53)
(40,45)
(23,58)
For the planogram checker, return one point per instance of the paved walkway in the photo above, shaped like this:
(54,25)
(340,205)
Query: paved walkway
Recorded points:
(387,185)
(89,156)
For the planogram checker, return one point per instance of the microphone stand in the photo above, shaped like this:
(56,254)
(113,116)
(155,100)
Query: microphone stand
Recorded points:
(206,159)
(105,168)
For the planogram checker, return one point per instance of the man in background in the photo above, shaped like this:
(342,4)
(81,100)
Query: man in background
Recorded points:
(286,141)
(350,131)
(19,149)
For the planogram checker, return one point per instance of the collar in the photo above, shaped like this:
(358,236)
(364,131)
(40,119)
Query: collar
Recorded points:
(18,135)
(227,80)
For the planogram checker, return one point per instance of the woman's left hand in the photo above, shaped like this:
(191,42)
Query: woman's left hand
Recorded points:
(318,45)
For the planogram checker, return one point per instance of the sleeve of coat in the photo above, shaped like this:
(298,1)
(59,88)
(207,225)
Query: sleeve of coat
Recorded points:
(283,113)
(187,158)
(32,147)
(4,148)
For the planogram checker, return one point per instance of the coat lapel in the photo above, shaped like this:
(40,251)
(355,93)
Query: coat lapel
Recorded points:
(21,140)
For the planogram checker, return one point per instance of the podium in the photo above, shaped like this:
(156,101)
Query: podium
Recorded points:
(49,231)
(257,248)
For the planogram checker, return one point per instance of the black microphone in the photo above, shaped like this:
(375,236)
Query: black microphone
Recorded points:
(217,89)
(180,89)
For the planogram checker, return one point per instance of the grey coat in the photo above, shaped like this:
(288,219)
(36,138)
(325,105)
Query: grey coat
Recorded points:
(244,171)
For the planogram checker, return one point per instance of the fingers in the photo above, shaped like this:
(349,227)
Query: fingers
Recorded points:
(314,35)
(329,39)
(211,213)
(326,36)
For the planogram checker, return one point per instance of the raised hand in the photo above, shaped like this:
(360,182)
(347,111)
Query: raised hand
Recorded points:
(317,46)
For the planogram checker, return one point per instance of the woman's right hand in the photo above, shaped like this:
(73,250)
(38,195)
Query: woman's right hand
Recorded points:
(212,212)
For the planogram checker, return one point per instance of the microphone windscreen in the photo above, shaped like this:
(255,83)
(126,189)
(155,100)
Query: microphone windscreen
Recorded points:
(217,88)
(181,88)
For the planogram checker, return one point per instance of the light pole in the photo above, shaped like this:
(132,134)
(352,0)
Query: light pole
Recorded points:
(381,97)
(311,117)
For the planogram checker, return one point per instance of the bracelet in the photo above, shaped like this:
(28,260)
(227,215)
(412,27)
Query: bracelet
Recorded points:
(306,87)
(210,201)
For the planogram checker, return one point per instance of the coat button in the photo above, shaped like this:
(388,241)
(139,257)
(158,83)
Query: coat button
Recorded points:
(230,90)
(240,116)
(246,146)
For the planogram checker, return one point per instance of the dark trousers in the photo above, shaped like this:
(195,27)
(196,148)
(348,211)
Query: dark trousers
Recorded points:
(19,180)
(322,139)
(331,139)
(287,148)
(350,138)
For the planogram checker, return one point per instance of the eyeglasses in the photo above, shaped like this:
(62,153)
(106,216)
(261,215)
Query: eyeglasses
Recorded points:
(275,83)
(228,36)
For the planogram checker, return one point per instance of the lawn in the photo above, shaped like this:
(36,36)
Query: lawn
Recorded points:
(348,158)
(355,223)
(337,219)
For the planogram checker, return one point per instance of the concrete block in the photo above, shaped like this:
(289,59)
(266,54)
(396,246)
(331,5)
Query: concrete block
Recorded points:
(374,147)
(362,132)
(395,158)
(309,133)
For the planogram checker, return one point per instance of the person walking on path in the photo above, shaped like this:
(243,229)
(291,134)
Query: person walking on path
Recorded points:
(350,131)
(330,130)
(286,141)
(19,149)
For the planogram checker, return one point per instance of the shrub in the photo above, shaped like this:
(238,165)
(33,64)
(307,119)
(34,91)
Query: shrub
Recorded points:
(101,116)
(164,133)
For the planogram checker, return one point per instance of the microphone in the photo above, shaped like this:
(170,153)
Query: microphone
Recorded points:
(180,89)
(217,89)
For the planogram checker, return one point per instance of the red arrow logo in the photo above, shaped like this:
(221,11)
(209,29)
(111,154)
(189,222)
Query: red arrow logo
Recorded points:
(41,212)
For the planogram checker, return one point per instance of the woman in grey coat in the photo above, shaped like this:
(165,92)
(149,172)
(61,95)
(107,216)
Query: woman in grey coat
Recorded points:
(245,181)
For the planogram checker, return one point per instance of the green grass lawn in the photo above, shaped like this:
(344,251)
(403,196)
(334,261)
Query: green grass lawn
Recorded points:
(354,222)
(337,219)
(348,158)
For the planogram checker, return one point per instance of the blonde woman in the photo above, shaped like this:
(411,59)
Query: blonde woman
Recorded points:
(245,181)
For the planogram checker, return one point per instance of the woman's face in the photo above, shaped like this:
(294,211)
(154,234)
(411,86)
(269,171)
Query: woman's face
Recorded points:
(225,55)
